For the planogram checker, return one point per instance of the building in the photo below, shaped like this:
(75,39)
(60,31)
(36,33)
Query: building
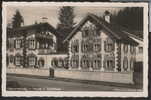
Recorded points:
(139,48)
(31,46)
(98,45)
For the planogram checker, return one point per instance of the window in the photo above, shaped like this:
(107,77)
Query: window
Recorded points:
(125,63)
(109,65)
(85,62)
(85,46)
(75,61)
(32,60)
(85,33)
(31,44)
(125,48)
(140,49)
(18,60)
(75,46)
(11,59)
(96,63)
(96,45)
(109,45)
(18,43)
(132,49)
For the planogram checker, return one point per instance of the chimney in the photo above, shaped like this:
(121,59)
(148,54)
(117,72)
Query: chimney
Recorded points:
(44,19)
(107,16)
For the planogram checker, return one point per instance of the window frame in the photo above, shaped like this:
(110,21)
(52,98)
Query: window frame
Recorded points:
(109,45)
(18,43)
(32,44)
(18,60)
(32,58)
(74,61)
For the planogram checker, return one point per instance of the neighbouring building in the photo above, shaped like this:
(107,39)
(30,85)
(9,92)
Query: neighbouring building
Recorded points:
(96,45)
(139,48)
(31,46)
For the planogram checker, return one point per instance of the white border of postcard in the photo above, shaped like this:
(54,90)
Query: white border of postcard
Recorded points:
(144,93)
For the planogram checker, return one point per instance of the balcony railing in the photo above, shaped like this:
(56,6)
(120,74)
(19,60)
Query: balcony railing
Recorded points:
(45,51)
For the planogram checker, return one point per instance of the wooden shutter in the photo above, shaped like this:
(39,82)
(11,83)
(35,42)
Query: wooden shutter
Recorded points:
(105,45)
(35,60)
(14,43)
(14,60)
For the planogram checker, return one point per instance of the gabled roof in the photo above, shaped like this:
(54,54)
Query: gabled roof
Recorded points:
(16,32)
(113,30)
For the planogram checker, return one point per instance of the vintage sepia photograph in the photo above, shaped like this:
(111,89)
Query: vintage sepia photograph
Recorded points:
(75,49)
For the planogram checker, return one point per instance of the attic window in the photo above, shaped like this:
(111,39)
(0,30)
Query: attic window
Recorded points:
(85,33)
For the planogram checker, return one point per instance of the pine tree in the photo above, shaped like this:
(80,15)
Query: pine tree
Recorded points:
(17,19)
(131,18)
(66,18)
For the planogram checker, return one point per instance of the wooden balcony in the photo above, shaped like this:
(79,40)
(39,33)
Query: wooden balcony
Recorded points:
(45,51)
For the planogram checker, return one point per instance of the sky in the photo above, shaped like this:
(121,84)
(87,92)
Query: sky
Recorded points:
(35,13)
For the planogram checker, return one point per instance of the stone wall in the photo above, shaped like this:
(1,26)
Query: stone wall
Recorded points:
(117,77)
(29,71)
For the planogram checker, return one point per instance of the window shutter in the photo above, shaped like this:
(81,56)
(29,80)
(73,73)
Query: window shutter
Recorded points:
(113,46)
(35,60)
(105,45)
(14,43)
(72,48)
(36,44)
(21,60)
(27,60)
(14,60)
(21,43)
(27,44)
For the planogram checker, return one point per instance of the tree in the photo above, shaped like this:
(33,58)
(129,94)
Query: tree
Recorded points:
(131,18)
(17,20)
(65,26)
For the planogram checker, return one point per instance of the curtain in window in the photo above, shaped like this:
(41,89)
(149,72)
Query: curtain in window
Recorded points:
(96,62)
(108,45)
(32,60)
(75,61)
(85,62)
(109,63)
(125,64)
(18,60)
